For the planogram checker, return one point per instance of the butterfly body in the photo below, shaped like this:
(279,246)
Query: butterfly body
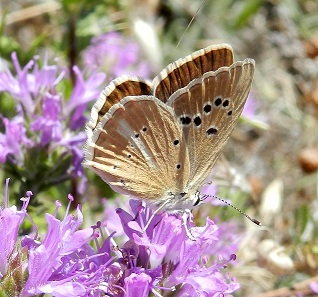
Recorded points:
(159,141)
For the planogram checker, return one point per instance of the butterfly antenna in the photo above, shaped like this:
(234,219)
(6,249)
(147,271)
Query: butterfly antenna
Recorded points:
(190,23)
(257,222)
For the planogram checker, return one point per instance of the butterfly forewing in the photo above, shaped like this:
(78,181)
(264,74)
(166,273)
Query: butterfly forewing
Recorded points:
(208,109)
(117,89)
(181,72)
(138,149)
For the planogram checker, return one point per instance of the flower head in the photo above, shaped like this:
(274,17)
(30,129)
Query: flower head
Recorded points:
(12,141)
(48,124)
(168,257)
(160,260)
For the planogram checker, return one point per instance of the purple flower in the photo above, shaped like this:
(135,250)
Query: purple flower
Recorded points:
(28,87)
(62,238)
(171,259)
(46,259)
(314,287)
(13,140)
(49,123)
(83,92)
(250,114)
(249,107)
(137,285)
(116,55)
(160,260)
(10,221)
(34,85)
(112,220)
(74,144)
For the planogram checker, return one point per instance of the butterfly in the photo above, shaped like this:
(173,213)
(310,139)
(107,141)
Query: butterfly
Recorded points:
(158,141)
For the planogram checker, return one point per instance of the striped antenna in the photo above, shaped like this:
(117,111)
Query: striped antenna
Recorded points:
(257,222)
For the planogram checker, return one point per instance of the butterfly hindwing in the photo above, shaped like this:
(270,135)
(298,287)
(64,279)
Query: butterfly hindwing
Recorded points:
(208,110)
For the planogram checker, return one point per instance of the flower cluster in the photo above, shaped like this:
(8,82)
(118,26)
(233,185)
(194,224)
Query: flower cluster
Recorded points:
(45,123)
(157,261)
(47,131)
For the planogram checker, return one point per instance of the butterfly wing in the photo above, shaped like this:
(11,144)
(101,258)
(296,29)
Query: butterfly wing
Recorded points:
(116,90)
(138,148)
(181,72)
(208,109)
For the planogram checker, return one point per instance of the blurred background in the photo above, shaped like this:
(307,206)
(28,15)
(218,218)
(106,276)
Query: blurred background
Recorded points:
(269,166)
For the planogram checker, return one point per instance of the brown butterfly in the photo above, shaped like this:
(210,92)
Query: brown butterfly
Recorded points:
(159,140)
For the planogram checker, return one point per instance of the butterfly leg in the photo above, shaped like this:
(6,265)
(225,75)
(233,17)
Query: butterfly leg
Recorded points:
(185,216)
(154,213)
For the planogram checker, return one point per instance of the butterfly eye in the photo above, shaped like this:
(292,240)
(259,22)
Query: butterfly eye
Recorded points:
(197,201)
